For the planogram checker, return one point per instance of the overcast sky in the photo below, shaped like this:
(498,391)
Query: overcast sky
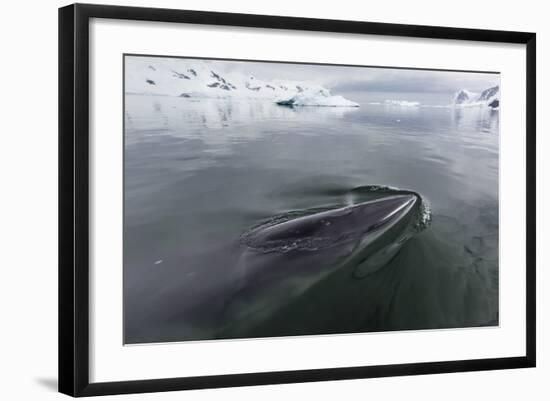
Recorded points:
(339,78)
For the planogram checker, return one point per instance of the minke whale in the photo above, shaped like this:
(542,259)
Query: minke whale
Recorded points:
(283,259)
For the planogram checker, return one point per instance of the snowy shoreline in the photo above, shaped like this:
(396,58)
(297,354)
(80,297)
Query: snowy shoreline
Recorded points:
(197,79)
(201,79)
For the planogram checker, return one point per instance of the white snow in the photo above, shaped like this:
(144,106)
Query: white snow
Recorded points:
(464,96)
(321,97)
(192,78)
(488,98)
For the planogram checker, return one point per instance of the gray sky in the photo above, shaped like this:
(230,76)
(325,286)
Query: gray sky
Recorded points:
(371,79)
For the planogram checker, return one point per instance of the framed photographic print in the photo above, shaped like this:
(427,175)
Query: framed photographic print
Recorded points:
(249,199)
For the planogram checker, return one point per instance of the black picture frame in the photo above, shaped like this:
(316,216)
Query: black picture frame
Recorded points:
(74,197)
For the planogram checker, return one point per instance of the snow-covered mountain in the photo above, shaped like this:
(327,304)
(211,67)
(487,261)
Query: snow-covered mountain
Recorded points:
(191,78)
(489,97)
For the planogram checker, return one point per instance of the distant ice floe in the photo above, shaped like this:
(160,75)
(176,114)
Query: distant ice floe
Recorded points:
(401,103)
(488,98)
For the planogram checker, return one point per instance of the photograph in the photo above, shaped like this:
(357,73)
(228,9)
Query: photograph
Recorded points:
(278,199)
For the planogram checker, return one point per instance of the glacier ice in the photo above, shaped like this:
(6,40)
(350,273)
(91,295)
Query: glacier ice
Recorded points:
(321,97)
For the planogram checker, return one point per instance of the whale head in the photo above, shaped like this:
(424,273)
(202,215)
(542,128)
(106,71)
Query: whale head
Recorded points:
(283,259)
(332,227)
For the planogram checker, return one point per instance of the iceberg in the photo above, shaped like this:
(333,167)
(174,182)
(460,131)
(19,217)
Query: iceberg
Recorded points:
(320,98)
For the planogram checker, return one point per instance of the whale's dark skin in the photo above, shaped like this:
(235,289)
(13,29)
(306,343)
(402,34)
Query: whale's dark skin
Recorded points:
(332,227)
(282,261)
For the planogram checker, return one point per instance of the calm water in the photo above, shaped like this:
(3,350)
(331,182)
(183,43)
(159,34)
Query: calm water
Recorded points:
(198,174)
